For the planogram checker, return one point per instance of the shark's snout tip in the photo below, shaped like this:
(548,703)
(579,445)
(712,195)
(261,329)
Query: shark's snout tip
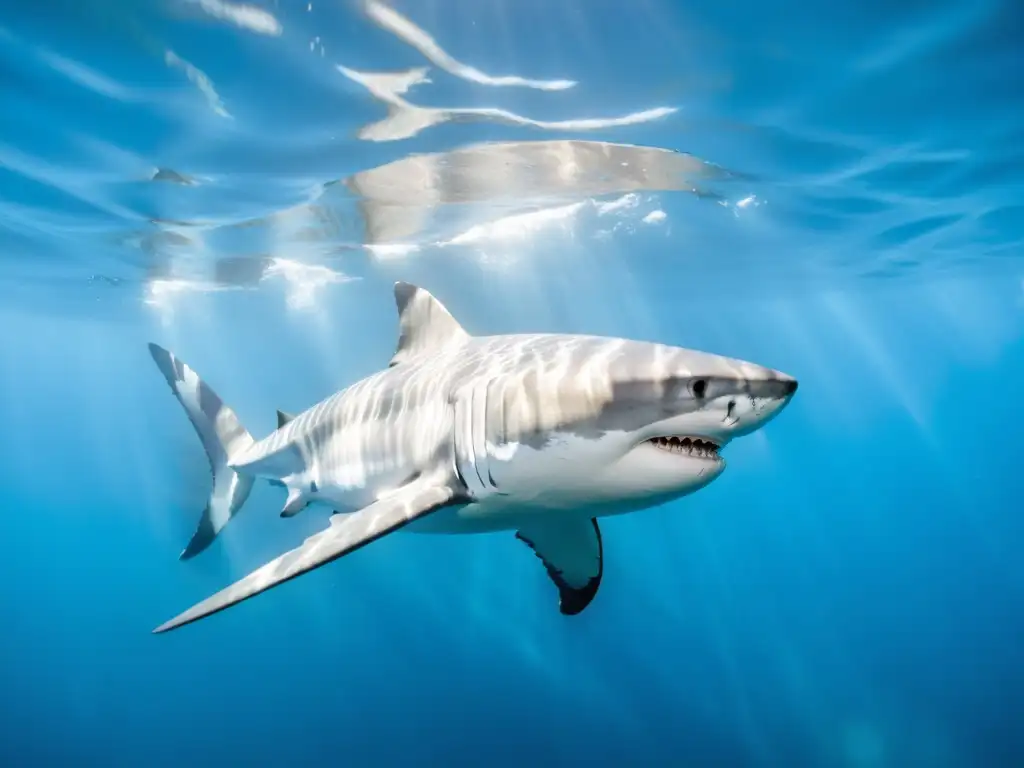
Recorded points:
(783,384)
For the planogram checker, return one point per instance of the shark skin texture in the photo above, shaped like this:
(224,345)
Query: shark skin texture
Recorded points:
(537,434)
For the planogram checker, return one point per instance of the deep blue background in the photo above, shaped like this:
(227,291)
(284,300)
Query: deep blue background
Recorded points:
(849,592)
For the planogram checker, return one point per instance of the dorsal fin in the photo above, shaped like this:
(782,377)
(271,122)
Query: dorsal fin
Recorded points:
(424,325)
(283,417)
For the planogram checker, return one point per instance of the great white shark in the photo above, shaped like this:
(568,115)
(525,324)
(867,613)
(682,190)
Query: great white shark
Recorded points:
(541,434)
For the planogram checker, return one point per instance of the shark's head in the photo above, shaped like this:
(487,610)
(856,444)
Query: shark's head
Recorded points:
(677,409)
(636,424)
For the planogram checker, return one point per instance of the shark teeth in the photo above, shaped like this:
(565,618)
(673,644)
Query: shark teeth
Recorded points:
(688,446)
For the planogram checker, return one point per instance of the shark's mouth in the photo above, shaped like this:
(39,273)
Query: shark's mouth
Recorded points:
(697,447)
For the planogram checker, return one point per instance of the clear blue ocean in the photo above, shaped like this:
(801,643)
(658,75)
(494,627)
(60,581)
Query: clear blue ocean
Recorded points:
(833,190)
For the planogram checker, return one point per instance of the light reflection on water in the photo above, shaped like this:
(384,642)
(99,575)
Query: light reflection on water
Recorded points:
(222,200)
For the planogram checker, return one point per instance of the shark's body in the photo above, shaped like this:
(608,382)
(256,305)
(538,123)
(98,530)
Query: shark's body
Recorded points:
(541,434)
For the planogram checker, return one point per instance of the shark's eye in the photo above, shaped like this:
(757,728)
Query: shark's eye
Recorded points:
(699,387)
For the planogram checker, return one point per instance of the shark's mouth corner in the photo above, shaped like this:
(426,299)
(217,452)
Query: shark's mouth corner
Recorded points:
(696,447)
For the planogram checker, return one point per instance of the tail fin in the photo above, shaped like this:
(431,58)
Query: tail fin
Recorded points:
(222,436)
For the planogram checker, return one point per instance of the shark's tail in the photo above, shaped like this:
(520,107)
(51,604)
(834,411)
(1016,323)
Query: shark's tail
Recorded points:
(222,436)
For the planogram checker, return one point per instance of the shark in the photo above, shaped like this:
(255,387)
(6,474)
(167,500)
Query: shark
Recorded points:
(538,434)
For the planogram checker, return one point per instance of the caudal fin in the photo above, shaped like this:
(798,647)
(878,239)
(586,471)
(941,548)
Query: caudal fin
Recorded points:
(222,436)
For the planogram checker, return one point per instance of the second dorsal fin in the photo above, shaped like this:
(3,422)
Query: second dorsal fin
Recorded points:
(424,325)
(283,417)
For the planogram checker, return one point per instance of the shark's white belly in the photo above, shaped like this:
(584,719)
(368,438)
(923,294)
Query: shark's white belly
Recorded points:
(488,516)
(517,485)
(484,517)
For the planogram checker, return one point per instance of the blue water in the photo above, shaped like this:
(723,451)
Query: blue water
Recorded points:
(848,594)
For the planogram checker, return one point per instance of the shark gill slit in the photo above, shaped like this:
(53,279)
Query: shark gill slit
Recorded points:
(478,426)
(496,427)
(465,460)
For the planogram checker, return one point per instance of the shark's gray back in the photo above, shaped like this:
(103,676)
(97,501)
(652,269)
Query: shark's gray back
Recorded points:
(539,384)
(393,421)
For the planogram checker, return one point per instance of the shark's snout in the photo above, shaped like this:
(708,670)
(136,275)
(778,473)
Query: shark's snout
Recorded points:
(772,385)
(760,401)
(775,385)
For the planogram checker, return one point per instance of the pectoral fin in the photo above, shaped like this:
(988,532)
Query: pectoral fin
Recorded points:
(295,503)
(345,534)
(573,556)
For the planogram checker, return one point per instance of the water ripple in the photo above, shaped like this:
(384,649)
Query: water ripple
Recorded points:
(405,120)
(245,16)
(388,18)
(205,139)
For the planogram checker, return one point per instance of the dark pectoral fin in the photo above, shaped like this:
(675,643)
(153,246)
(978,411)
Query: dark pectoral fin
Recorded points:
(572,554)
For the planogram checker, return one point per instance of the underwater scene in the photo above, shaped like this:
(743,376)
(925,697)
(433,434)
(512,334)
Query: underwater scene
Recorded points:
(512,382)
